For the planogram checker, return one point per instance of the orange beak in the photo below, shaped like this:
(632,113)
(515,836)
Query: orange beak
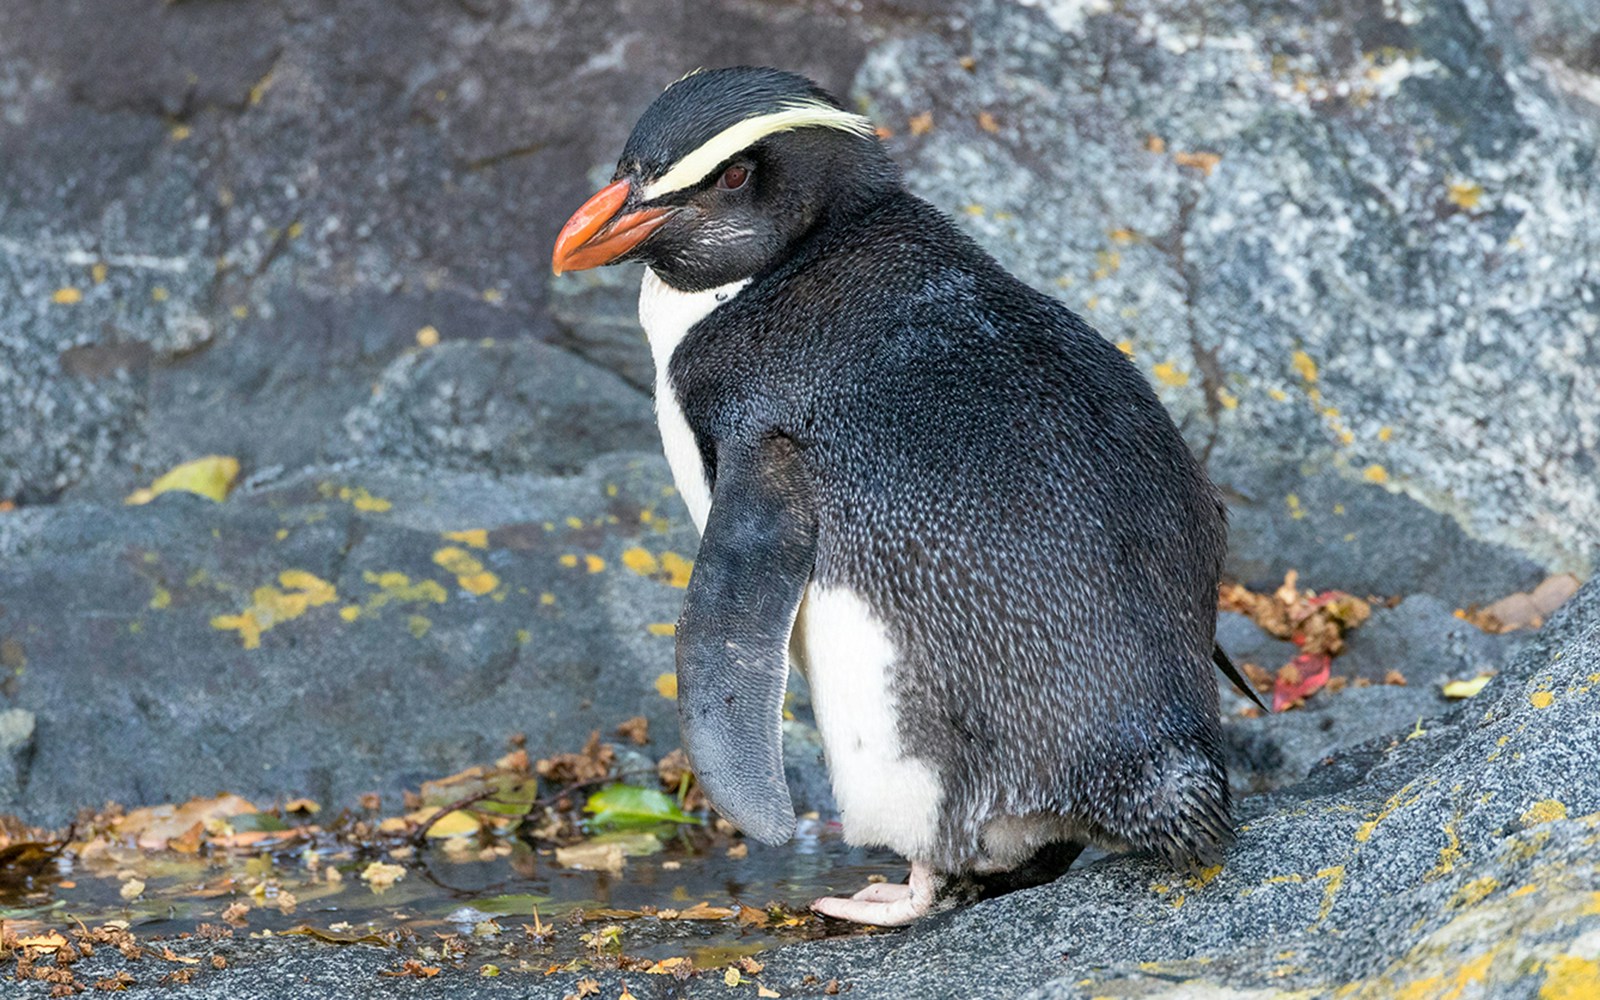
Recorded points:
(596,235)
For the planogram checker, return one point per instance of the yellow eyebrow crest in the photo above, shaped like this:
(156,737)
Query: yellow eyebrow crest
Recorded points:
(694,167)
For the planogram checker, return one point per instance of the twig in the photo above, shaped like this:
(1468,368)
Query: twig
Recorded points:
(422,831)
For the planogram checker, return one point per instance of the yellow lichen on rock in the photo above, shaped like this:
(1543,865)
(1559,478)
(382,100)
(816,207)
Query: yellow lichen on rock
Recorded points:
(470,574)
(271,606)
(678,569)
(1544,811)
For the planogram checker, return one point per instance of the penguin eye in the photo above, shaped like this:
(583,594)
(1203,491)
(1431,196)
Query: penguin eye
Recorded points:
(733,178)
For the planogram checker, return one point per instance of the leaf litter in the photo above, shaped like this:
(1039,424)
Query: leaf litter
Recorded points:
(555,867)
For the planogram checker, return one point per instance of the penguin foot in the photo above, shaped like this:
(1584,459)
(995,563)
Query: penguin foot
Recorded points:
(883,904)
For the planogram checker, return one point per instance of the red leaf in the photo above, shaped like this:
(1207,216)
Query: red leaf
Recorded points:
(1299,679)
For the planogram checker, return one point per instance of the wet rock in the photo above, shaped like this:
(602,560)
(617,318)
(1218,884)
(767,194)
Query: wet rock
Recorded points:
(16,751)
(1303,223)
(354,629)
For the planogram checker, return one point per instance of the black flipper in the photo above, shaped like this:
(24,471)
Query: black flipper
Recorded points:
(733,638)
(1226,666)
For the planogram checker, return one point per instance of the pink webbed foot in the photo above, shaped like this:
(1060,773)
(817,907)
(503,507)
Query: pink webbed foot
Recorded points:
(883,904)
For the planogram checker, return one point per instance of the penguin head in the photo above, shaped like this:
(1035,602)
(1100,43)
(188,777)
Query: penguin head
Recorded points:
(724,174)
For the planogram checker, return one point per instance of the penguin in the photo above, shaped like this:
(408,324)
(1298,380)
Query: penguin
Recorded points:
(937,491)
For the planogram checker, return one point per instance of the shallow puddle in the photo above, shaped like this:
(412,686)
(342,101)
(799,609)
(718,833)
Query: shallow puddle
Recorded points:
(700,895)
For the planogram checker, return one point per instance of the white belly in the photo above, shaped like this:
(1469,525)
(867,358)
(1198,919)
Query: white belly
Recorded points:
(667,315)
(885,798)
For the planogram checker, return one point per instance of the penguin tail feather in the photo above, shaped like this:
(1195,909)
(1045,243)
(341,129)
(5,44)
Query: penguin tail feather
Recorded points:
(1232,673)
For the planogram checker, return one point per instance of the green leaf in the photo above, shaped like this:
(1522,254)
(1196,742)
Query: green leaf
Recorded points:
(621,806)
(257,822)
(516,904)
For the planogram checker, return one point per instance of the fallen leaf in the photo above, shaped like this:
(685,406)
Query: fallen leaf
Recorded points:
(1466,689)
(131,890)
(211,477)
(1525,610)
(48,941)
(334,937)
(636,730)
(765,991)
(1202,161)
(592,857)
(621,806)
(381,875)
(588,987)
(453,824)
(1300,679)
(411,969)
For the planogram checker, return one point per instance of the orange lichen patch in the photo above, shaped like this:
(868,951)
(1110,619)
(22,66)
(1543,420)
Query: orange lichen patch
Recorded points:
(1544,811)
(593,563)
(470,574)
(667,685)
(1375,473)
(1126,347)
(67,296)
(569,560)
(270,606)
(427,337)
(640,561)
(472,538)
(1168,373)
(678,569)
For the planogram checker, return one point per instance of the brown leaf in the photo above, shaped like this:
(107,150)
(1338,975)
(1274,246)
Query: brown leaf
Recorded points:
(636,730)
(1202,161)
(588,987)
(411,969)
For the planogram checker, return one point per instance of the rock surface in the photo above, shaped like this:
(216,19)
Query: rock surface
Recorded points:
(1352,244)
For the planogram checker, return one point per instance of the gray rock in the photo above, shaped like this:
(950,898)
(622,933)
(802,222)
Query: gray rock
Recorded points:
(16,751)
(1246,642)
(518,406)
(281,195)
(317,637)
(1315,266)
(1423,639)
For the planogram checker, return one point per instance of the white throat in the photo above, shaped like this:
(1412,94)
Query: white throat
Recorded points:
(667,316)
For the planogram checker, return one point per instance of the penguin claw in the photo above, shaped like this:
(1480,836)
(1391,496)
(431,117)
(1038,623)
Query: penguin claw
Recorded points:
(882,904)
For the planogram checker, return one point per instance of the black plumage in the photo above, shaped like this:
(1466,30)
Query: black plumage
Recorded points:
(884,410)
